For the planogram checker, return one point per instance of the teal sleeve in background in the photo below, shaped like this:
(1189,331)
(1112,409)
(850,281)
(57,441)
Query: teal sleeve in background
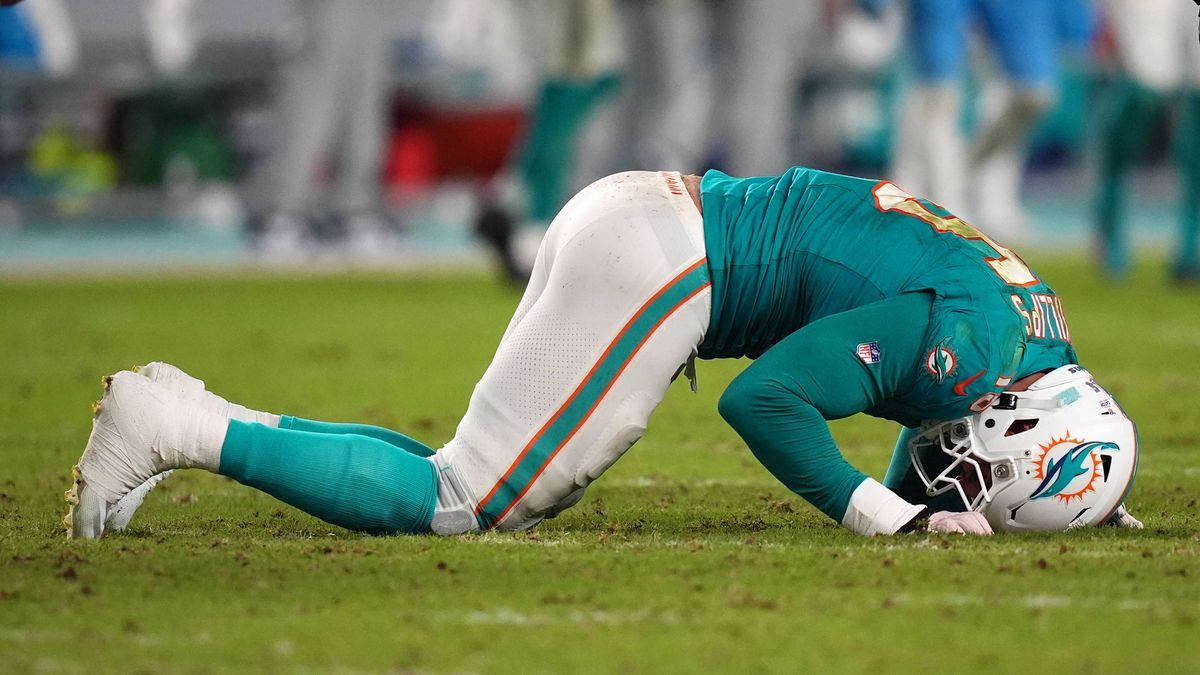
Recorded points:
(902,478)
(835,367)
(900,473)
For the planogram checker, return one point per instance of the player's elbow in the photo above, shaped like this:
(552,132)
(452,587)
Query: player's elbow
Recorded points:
(750,398)
(734,404)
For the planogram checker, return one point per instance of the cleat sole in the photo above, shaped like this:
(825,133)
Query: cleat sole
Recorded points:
(71,497)
(85,520)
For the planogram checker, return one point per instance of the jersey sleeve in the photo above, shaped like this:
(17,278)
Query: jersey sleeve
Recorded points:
(835,367)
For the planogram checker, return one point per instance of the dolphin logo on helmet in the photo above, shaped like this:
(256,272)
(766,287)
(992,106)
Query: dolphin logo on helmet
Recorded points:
(1060,473)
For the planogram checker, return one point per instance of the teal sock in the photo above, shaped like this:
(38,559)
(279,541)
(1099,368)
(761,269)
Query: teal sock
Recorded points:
(1124,129)
(357,482)
(1187,147)
(405,443)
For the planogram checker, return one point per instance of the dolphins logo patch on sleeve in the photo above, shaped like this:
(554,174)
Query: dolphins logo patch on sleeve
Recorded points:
(941,362)
(1069,468)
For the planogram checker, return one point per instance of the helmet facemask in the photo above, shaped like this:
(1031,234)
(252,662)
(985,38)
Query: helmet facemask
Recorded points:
(967,474)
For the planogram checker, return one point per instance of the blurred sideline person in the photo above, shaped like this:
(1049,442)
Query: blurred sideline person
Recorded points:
(686,71)
(852,296)
(334,98)
(693,66)
(981,178)
(172,35)
(43,33)
(39,34)
(576,47)
(1159,56)
(757,74)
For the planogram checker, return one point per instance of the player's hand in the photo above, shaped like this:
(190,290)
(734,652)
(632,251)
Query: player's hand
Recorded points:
(1123,518)
(951,522)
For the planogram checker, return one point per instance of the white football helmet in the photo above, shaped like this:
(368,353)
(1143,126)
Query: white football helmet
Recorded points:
(1059,455)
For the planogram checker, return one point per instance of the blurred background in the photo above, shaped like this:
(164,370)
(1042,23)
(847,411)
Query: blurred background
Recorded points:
(155,134)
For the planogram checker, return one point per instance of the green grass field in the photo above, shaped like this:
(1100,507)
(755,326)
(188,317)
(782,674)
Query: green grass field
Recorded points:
(686,556)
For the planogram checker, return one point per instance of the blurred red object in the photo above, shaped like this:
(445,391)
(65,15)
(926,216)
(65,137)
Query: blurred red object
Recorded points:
(1104,45)
(429,145)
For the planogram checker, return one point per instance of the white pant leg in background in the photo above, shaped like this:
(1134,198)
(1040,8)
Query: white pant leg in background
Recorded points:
(335,81)
(1156,42)
(760,86)
(364,120)
(930,152)
(619,302)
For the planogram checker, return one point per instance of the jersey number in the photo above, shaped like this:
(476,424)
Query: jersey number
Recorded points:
(1006,264)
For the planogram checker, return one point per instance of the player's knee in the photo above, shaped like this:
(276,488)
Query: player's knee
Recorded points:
(732,405)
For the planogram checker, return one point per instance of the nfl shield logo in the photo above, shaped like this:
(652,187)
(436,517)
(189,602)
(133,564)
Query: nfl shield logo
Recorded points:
(868,352)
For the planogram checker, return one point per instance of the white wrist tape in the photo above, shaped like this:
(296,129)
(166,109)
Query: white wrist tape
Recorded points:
(875,509)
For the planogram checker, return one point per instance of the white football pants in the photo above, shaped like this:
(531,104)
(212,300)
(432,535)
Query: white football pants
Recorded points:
(618,302)
(1156,42)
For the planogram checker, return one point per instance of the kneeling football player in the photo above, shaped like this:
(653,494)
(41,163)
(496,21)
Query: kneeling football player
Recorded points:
(852,297)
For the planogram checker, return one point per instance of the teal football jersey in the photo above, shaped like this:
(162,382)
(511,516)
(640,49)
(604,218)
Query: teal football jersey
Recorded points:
(784,251)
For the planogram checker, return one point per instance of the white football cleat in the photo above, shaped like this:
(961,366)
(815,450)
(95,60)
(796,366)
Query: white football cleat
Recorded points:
(121,513)
(184,387)
(192,390)
(139,431)
(181,384)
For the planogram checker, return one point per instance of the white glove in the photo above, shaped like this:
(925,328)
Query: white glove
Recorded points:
(1122,517)
(951,522)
